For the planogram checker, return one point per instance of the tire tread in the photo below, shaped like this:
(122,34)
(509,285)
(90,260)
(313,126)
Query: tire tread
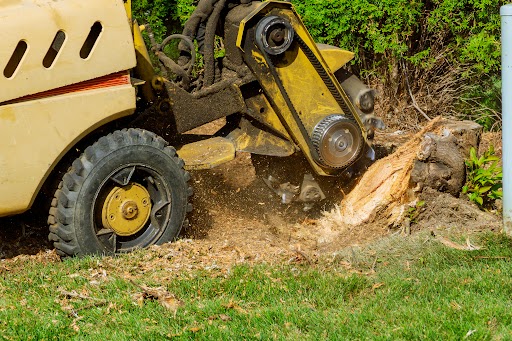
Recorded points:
(60,219)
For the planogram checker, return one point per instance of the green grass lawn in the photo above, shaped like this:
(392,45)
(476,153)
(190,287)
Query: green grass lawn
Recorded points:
(406,290)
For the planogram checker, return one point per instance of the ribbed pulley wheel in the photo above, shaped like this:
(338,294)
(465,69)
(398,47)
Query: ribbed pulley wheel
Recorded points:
(338,141)
(274,35)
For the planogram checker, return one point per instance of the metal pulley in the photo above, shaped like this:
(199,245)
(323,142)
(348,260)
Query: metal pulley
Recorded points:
(274,35)
(338,141)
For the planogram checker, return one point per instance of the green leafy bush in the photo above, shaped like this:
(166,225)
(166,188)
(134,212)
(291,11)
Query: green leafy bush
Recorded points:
(481,102)
(379,31)
(384,29)
(444,47)
(165,17)
(448,49)
(484,178)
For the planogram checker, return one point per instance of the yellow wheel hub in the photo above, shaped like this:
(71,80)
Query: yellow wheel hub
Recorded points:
(126,209)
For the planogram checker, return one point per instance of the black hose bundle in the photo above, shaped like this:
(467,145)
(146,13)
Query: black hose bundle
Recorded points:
(200,15)
(209,57)
(204,20)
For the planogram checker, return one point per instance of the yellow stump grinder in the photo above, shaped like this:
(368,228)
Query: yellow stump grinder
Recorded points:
(84,114)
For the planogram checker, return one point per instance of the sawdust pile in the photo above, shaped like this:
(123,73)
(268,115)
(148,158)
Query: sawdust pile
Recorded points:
(238,220)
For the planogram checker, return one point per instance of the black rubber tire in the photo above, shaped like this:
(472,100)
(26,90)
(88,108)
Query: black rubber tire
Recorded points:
(73,217)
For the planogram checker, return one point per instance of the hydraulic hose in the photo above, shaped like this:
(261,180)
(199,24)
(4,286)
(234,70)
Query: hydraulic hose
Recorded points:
(202,12)
(209,58)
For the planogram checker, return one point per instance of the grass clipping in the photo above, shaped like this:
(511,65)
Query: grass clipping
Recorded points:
(384,188)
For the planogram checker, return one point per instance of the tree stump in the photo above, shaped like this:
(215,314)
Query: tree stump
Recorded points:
(433,158)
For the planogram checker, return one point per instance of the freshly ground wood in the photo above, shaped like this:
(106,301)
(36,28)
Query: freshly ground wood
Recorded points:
(434,158)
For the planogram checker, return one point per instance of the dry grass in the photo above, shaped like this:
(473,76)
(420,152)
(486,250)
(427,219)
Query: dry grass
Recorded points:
(411,95)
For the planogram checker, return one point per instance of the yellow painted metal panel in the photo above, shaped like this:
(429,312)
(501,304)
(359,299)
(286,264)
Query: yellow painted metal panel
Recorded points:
(299,92)
(34,135)
(208,153)
(128,7)
(270,118)
(38,21)
(334,56)
(144,69)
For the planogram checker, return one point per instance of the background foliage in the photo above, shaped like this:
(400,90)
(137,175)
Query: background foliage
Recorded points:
(444,53)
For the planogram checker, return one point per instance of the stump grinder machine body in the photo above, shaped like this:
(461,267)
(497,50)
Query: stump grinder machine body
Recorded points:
(84,114)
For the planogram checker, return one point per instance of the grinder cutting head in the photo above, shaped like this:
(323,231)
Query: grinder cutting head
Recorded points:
(337,141)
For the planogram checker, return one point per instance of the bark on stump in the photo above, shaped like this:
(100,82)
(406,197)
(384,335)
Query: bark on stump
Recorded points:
(433,158)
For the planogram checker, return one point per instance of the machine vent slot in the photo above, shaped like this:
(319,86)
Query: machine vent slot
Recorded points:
(91,40)
(16,58)
(54,49)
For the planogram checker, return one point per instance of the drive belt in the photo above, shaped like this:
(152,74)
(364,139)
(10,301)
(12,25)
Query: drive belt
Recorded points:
(340,99)
(289,102)
(327,81)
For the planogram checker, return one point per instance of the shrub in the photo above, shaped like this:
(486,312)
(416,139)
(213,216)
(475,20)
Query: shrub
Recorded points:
(445,52)
(165,17)
(442,46)
(483,178)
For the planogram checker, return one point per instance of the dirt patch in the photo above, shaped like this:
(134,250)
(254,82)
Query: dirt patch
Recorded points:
(234,209)
(237,219)
(442,211)
(26,234)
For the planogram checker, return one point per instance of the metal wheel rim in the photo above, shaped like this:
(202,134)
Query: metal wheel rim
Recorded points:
(160,195)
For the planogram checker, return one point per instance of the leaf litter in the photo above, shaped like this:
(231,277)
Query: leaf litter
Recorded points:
(237,220)
(160,294)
